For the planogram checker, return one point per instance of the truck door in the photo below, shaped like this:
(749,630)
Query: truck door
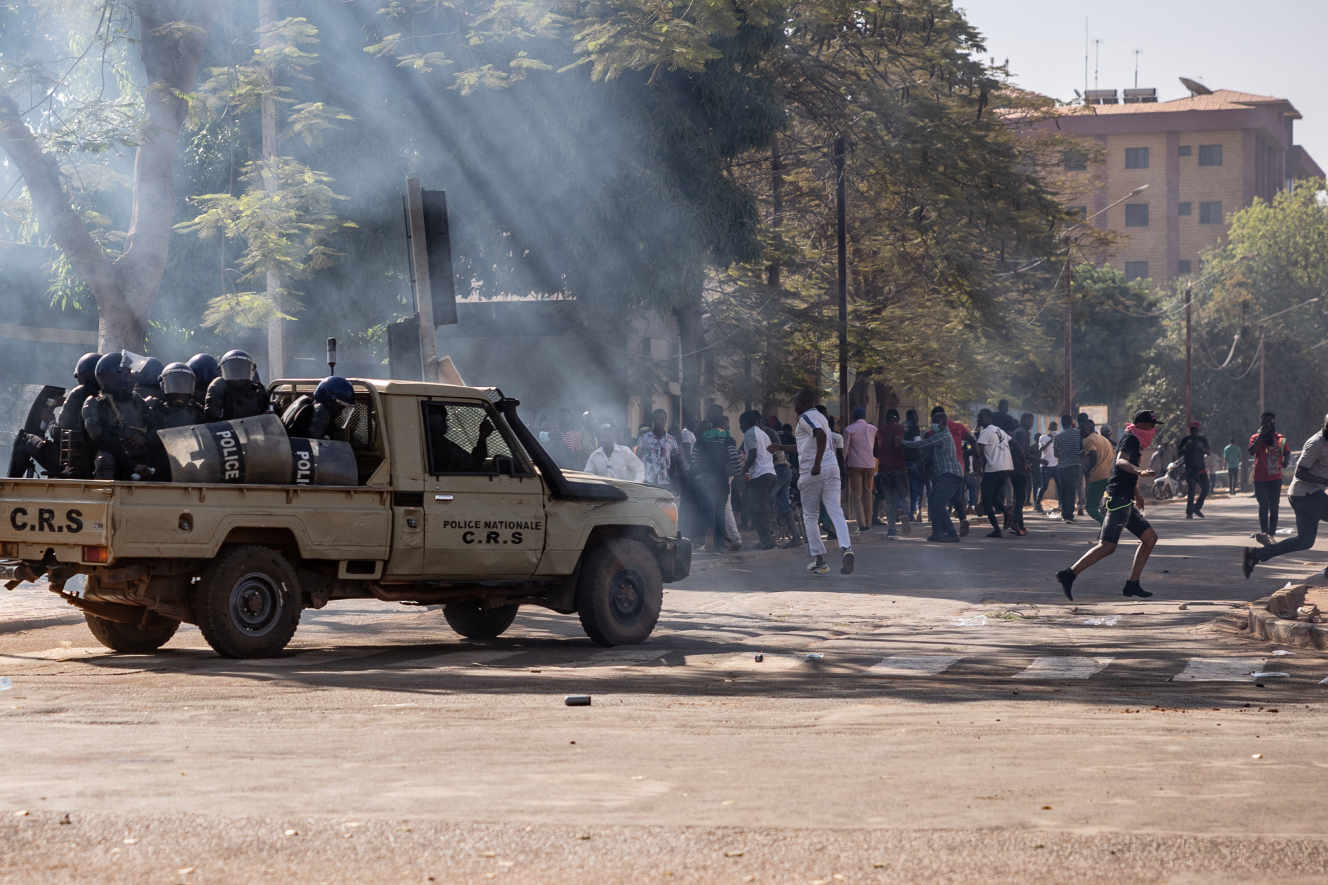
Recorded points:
(484,505)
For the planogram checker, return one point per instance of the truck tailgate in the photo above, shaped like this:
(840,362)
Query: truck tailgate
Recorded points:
(36,514)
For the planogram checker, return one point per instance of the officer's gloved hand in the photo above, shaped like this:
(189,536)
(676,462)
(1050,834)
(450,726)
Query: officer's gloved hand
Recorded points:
(143,472)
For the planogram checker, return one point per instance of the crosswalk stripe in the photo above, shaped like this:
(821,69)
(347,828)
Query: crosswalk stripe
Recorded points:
(913,665)
(1062,667)
(1219,669)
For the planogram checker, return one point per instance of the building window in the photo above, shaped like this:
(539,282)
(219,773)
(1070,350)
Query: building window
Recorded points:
(1078,212)
(1184,150)
(1136,158)
(1183,208)
(1210,212)
(1074,160)
(1136,215)
(1210,155)
(1183,267)
(1136,270)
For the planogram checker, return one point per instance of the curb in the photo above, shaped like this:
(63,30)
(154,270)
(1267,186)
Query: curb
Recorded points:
(1263,624)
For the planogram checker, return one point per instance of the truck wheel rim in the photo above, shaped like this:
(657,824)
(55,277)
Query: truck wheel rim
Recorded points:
(627,595)
(256,603)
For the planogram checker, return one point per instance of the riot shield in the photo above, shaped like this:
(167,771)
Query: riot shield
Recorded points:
(45,401)
(254,450)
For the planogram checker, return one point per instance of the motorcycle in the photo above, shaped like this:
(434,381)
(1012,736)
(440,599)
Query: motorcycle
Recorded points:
(1172,483)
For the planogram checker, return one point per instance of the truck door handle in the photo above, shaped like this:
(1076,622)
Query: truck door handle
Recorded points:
(444,497)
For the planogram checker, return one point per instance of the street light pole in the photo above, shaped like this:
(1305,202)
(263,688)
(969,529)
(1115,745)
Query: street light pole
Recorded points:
(1069,336)
(1188,413)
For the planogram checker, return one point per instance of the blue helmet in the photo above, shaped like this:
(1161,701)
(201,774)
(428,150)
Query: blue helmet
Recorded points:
(114,374)
(149,375)
(334,389)
(177,379)
(236,365)
(204,366)
(85,372)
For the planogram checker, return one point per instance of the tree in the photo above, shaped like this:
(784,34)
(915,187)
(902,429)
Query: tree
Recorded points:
(169,43)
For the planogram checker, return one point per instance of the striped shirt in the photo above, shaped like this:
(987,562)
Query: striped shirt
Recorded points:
(1068,445)
(943,452)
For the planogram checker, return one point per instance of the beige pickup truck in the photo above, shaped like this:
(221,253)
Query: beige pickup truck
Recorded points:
(456,504)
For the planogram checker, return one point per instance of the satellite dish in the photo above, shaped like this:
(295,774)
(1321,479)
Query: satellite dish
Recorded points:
(1195,87)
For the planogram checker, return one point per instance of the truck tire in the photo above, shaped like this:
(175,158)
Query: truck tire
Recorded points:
(132,639)
(474,621)
(620,592)
(247,604)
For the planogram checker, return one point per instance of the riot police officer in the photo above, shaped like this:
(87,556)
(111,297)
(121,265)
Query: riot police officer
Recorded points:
(317,416)
(235,394)
(205,369)
(147,383)
(65,452)
(177,406)
(117,423)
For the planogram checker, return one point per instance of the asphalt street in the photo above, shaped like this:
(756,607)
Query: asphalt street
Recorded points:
(943,714)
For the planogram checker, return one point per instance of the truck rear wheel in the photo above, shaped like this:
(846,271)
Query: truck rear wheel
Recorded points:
(473,621)
(132,639)
(247,604)
(620,592)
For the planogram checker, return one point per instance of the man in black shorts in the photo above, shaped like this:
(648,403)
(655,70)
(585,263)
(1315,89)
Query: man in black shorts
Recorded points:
(1124,509)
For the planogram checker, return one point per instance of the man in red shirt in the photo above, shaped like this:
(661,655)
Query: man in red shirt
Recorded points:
(1271,453)
(892,474)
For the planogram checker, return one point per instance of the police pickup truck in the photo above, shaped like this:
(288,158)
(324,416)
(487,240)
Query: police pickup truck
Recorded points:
(450,500)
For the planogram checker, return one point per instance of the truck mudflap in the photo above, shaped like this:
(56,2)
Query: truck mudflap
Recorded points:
(675,558)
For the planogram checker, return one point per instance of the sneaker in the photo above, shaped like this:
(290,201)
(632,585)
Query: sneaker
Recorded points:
(819,566)
(1199,513)
(1264,538)
(1132,588)
(890,532)
(994,533)
(1066,577)
(1069,520)
(1189,516)
(1249,560)
(846,567)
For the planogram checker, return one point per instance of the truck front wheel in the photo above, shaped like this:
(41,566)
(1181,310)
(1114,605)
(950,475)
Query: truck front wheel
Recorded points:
(620,592)
(133,639)
(247,604)
(474,621)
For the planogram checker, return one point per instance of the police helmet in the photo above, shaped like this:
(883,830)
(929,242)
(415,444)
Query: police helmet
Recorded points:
(150,373)
(85,372)
(204,366)
(114,374)
(237,365)
(177,379)
(334,389)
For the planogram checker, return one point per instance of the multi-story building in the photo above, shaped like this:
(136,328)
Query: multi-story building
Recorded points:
(1202,158)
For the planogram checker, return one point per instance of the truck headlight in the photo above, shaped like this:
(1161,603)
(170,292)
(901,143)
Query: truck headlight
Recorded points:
(670,509)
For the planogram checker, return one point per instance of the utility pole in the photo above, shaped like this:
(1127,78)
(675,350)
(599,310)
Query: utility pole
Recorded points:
(769,375)
(276,327)
(1261,409)
(419,261)
(842,237)
(1189,415)
(1069,329)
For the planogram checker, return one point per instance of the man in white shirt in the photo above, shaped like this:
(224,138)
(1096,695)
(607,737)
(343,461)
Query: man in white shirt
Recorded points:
(819,484)
(997,467)
(612,460)
(760,471)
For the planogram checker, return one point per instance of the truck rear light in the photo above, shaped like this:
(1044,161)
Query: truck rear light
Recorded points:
(9,549)
(95,554)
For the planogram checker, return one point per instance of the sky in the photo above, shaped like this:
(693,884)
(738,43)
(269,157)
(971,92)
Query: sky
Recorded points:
(1269,47)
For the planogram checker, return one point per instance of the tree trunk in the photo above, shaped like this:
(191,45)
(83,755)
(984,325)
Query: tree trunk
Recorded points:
(692,339)
(124,288)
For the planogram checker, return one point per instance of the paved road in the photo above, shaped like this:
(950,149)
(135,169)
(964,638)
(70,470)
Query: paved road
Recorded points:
(944,714)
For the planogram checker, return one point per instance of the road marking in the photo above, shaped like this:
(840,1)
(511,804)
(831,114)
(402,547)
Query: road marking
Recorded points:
(1060,667)
(1219,669)
(913,665)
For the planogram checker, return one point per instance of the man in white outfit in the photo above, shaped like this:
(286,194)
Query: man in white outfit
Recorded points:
(617,461)
(819,484)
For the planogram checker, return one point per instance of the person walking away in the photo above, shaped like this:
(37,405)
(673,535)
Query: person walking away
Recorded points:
(1125,510)
(1270,453)
(1308,502)
(1231,455)
(915,462)
(614,460)
(997,466)
(1022,478)
(1194,450)
(819,485)
(960,434)
(892,474)
(1003,419)
(1069,446)
(1097,463)
(947,476)
(759,467)
(1047,456)
(860,462)
(779,495)
(660,452)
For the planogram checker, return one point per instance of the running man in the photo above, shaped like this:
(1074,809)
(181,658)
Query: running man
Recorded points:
(1124,509)
(819,485)
(1308,502)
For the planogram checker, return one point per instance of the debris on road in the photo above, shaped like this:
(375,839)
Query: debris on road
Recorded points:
(577,700)
(759,657)
(1102,622)
(974,621)
(6,683)
(814,657)
(1271,674)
